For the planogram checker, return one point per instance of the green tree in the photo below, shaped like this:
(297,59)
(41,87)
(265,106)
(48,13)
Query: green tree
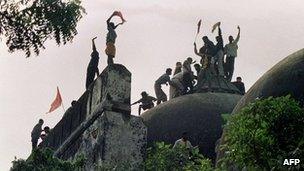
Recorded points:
(264,133)
(163,157)
(27,24)
(43,160)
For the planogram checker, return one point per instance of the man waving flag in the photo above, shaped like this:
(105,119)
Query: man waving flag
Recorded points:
(57,102)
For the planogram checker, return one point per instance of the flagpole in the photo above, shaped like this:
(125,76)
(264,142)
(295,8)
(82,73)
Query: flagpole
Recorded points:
(195,37)
(62,107)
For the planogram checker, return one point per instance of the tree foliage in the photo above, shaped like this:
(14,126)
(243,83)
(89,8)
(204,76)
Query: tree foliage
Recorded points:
(27,24)
(163,157)
(264,133)
(43,160)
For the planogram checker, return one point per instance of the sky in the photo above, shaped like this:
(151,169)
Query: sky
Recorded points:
(156,35)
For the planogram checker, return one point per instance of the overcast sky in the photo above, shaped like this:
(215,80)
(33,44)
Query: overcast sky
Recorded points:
(157,35)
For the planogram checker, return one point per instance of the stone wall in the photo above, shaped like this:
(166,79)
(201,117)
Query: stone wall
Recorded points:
(115,140)
(104,135)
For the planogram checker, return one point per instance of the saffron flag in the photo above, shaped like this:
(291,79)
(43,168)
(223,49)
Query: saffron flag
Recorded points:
(119,14)
(199,26)
(215,26)
(57,102)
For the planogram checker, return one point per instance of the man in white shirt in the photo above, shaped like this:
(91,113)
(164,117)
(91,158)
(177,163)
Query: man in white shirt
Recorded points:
(183,142)
(176,87)
(231,52)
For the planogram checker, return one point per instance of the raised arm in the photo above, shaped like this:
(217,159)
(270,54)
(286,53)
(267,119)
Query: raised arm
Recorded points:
(118,25)
(219,31)
(196,52)
(109,19)
(238,36)
(93,44)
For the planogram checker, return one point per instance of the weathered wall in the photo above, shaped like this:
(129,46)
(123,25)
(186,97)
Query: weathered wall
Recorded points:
(115,137)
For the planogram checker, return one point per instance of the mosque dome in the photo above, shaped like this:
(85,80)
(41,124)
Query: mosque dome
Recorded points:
(198,114)
(286,77)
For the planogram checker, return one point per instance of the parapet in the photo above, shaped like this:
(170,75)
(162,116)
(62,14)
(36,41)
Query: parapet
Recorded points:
(100,126)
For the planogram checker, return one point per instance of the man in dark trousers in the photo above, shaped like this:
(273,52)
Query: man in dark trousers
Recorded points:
(231,53)
(219,55)
(35,134)
(164,79)
(188,76)
(240,85)
(207,52)
(92,69)
(146,102)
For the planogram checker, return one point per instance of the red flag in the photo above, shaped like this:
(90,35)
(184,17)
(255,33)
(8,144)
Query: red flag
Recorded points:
(119,14)
(199,26)
(56,103)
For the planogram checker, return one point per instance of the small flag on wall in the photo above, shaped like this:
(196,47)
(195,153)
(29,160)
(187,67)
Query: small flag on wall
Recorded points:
(57,102)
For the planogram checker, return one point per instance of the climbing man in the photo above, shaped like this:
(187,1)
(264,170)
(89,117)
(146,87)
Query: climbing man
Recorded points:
(231,53)
(111,38)
(35,134)
(240,85)
(146,102)
(92,69)
(164,79)
(219,52)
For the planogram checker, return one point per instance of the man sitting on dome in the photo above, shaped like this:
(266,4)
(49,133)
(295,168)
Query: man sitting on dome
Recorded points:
(239,84)
(146,102)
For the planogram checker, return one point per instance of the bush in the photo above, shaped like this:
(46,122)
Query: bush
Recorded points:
(264,133)
(43,160)
(163,157)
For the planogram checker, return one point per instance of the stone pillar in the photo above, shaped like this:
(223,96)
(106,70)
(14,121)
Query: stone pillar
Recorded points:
(114,83)
(116,138)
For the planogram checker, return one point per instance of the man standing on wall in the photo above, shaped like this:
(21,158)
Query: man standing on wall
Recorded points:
(92,69)
(111,37)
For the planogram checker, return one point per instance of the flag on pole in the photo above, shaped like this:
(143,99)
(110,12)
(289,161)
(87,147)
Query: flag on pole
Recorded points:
(119,14)
(199,26)
(57,102)
(215,25)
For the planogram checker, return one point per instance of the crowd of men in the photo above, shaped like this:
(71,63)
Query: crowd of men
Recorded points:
(182,82)
(216,59)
